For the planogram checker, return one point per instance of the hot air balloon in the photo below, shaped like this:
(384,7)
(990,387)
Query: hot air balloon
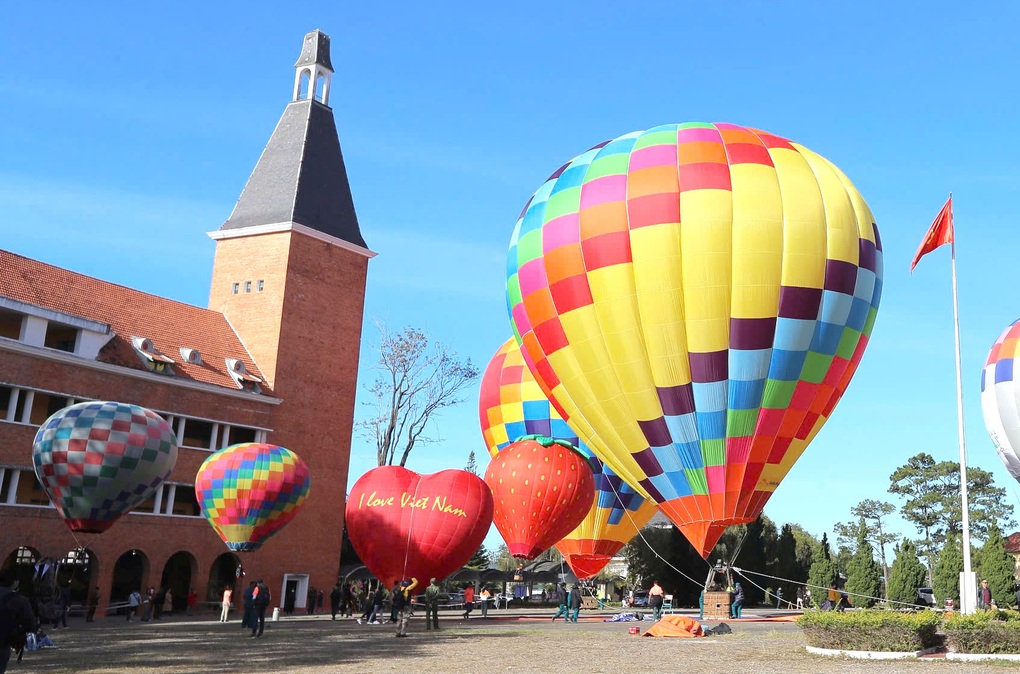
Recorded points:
(250,491)
(999,400)
(98,460)
(406,525)
(511,405)
(696,298)
(542,489)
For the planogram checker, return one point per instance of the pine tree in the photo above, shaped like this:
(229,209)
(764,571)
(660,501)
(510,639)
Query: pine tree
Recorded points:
(822,572)
(472,464)
(907,574)
(864,574)
(946,576)
(997,565)
(480,560)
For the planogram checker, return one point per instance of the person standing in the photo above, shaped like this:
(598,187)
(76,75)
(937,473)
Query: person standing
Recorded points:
(402,600)
(147,599)
(93,604)
(63,604)
(335,597)
(23,621)
(574,603)
(737,608)
(192,600)
(310,599)
(260,601)
(484,596)
(469,600)
(432,606)
(249,605)
(779,597)
(168,602)
(393,602)
(134,599)
(655,595)
(228,595)
(800,598)
(560,597)
(984,598)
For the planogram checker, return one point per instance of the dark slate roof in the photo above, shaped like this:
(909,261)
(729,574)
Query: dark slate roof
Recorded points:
(315,50)
(301,178)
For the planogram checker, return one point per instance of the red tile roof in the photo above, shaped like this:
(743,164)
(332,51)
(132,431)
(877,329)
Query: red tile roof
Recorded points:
(1012,543)
(131,313)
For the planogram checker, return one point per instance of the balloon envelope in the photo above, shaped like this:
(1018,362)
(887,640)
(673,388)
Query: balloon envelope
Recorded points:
(696,298)
(541,491)
(98,460)
(250,491)
(511,404)
(1000,402)
(405,525)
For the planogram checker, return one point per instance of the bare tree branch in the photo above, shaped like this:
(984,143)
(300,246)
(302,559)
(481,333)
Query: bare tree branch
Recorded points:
(419,377)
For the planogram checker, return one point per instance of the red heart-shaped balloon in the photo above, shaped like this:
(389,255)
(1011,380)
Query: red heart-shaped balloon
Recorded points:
(541,492)
(406,525)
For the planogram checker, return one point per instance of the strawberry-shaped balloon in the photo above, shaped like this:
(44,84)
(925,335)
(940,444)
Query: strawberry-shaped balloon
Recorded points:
(541,490)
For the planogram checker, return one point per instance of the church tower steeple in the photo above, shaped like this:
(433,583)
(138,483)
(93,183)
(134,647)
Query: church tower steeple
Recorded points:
(314,71)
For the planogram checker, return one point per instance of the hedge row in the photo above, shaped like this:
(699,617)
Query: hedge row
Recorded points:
(995,632)
(871,630)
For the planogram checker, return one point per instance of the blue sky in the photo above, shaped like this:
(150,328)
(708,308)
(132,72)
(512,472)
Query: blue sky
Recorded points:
(128,134)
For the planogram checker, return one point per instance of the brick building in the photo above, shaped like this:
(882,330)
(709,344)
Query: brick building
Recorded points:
(274,358)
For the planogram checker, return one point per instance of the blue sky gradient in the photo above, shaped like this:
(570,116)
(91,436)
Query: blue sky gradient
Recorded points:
(127,135)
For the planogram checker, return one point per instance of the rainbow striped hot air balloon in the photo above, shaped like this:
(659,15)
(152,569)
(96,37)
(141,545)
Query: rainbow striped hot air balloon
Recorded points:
(1000,397)
(511,405)
(250,491)
(696,298)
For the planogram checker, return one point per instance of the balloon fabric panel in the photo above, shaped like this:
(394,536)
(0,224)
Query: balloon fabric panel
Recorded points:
(512,404)
(696,298)
(1000,402)
(249,491)
(98,460)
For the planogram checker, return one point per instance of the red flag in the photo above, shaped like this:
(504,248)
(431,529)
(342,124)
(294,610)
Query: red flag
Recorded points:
(939,234)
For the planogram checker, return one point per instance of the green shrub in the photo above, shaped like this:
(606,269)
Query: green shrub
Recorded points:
(871,630)
(984,632)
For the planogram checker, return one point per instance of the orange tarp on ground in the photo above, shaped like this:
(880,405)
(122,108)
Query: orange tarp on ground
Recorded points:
(675,626)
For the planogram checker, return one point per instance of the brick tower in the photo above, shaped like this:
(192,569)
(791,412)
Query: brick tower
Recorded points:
(289,275)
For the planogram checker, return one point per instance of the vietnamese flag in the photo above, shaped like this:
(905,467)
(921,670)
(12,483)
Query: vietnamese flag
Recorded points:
(939,234)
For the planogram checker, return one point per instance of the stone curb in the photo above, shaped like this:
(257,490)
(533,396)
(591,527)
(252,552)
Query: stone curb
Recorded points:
(869,655)
(972,657)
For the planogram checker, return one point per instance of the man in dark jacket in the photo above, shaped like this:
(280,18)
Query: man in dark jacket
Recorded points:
(16,619)
(249,605)
(260,601)
(560,597)
(335,596)
(575,603)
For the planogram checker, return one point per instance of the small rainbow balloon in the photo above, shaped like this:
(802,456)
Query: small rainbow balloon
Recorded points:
(250,491)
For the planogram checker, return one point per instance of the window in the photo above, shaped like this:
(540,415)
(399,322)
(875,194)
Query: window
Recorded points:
(10,324)
(239,434)
(260,285)
(236,288)
(60,337)
(30,492)
(45,405)
(247,286)
(5,399)
(197,433)
(6,474)
(185,503)
(24,556)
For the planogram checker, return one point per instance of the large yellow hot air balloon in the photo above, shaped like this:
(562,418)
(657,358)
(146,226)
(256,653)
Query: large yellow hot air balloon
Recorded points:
(511,404)
(696,298)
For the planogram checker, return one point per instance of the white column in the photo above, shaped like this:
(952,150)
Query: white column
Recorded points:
(171,493)
(12,488)
(12,404)
(157,502)
(26,410)
(180,431)
(226,436)
(215,437)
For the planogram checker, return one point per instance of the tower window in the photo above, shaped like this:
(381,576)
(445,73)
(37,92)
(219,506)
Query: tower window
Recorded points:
(247,286)
(260,285)
(236,288)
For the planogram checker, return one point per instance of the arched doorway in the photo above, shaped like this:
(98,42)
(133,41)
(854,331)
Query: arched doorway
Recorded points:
(77,573)
(225,572)
(178,573)
(128,575)
(22,563)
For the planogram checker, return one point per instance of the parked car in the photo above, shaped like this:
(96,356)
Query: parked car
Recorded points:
(640,598)
(926,596)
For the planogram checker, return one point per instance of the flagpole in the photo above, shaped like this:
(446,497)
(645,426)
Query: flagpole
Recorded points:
(967,592)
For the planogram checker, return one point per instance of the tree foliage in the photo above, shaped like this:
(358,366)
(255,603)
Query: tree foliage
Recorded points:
(864,575)
(823,571)
(418,378)
(874,514)
(997,566)
(946,575)
(907,574)
(472,463)
(479,560)
(932,501)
